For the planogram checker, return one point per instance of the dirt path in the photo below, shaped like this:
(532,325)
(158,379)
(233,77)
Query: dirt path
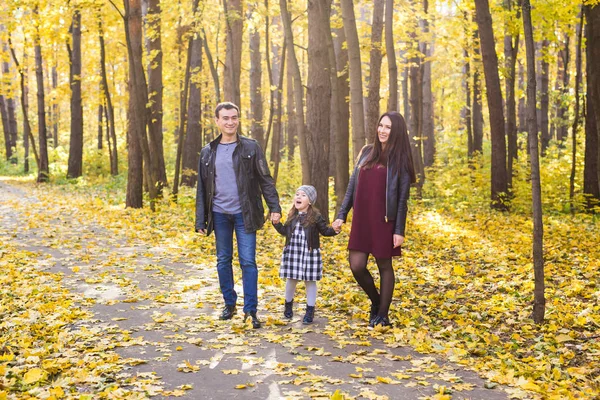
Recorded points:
(158,308)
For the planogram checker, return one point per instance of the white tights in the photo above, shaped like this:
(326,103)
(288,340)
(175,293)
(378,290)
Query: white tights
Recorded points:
(311,291)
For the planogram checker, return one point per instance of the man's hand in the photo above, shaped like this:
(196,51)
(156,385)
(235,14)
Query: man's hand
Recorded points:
(275,217)
(398,240)
(202,231)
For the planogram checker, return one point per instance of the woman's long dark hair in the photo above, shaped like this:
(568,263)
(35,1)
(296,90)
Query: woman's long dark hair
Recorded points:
(397,151)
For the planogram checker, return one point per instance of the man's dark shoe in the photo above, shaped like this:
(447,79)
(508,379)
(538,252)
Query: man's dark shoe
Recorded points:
(289,309)
(228,312)
(256,324)
(309,316)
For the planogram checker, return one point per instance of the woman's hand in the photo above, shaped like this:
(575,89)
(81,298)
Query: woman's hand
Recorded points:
(398,240)
(337,225)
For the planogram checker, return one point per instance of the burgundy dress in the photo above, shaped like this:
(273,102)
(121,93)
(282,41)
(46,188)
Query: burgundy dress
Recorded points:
(370,233)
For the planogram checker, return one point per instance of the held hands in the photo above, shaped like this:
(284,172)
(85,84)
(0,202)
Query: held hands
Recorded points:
(337,225)
(275,217)
(398,240)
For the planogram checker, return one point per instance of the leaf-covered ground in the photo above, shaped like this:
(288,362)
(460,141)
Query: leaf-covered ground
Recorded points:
(463,293)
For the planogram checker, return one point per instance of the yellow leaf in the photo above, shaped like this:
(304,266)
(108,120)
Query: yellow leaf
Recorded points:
(76,269)
(179,348)
(459,270)
(337,395)
(240,387)
(563,338)
(34,375)
(384,379)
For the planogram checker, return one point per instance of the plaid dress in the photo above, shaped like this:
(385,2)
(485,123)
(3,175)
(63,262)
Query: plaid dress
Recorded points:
(297,262)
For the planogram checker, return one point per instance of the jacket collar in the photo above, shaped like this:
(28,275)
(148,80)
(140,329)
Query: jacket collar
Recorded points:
(213,145)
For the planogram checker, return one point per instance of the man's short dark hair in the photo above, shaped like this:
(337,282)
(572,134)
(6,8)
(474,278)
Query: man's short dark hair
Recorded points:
(226,105)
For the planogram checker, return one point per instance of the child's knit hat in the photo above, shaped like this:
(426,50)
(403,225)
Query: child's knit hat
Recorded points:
(310,192)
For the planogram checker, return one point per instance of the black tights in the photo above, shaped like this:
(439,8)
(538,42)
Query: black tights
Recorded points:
(358,265)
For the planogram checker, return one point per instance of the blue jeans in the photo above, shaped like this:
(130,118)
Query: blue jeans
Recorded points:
(224,225)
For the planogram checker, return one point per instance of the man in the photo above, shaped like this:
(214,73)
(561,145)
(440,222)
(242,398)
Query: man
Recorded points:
(232,174)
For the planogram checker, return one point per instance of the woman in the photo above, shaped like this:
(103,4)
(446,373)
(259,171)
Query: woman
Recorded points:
(378,190)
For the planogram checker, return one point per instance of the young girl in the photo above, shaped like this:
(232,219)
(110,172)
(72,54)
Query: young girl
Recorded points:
(301,259)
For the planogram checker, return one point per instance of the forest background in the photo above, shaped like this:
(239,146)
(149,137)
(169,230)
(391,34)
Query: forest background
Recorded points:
(114,101)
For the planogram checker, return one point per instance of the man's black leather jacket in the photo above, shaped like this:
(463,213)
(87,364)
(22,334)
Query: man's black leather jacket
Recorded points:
(397,193)
(252,177)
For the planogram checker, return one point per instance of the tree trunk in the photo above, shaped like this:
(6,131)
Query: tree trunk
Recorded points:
(467,110)
(55,109)
(318,100)
(522,108)
(494,97)
(213,68)
(274,51)
(155,89)
(544,98)
(477,113)
(562,105)
(511,48)
(341,144)
(74,169)
(416,112)
(114,156)
(291,111)
(27,134)
(278,124)
(375,58)
(539,301)
(256,102)
(576,112)
(591,181)
(298,93)
(193,135)
(355,67)
(391,56)
(138,99)
(233,63)
(10,128)
(43,167)
(428,138)
(183,108)
(100,126)
(405,95)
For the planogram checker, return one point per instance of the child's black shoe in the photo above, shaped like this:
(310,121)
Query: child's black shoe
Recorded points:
(289,309)
(309,316)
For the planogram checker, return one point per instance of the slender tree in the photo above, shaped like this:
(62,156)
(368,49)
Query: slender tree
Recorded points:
(428,131)
(591,172)
(393,103)
(544,96)
(298,92)
(155,88)
(193,133)
(539,301)
(256,103)
(76,138)
(375,58)
(233,64)
(355,68)
(341,143)
(318,100)
(511,48)
(43,165)
(576,112)
(109,109)
(494,97)
(138,99)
